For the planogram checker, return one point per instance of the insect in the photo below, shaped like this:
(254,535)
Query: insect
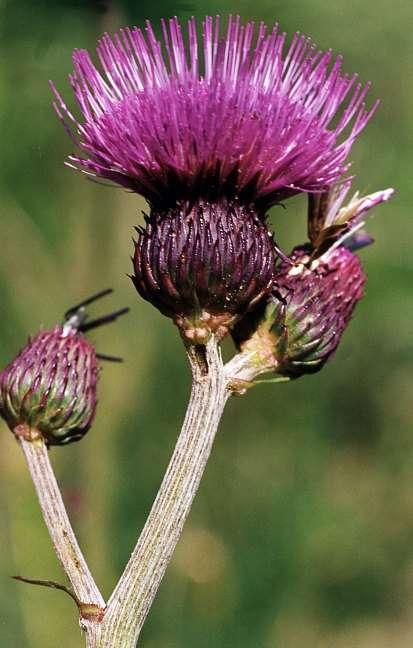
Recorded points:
(77,317)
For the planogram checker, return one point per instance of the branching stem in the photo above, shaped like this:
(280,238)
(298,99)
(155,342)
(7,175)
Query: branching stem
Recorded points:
(118,625)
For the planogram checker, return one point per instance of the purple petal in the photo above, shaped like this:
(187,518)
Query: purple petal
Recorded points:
(256,120)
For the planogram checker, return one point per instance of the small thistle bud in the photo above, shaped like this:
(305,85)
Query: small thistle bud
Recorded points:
(297,335)
(300,325)
(51,386)
(49,389)
(204,265)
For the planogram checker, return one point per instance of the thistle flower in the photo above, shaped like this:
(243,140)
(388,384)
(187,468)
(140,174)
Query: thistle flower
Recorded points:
(320,286)
(209,144)
(253,122)
(49,389)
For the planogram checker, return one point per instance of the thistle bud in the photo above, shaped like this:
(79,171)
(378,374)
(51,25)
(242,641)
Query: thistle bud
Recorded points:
(297,334)
(204,265)
(49,389)
(51,386)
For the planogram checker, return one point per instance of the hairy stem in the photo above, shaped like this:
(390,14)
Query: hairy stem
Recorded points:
(87,594)
(137,587)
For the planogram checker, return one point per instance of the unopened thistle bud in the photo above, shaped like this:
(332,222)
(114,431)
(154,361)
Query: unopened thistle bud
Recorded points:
(49,389)
(297,334)
(51,386)
(299,327)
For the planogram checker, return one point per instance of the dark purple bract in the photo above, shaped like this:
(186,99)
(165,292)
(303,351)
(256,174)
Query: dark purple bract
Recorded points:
(204,265)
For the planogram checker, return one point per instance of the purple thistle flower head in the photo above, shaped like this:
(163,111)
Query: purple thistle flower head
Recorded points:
(233,115)
(212,131)
(299,326)
(49,389)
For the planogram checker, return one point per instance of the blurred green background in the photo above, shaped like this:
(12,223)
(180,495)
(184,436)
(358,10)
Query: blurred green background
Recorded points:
(302,533)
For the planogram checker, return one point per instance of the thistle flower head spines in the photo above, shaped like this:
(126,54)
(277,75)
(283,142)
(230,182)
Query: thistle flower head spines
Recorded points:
(253,121)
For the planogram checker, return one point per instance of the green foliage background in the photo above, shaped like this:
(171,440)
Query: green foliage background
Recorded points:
(302,533)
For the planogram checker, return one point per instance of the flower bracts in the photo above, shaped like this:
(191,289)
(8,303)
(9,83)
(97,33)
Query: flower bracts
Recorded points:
(49,389)
(298,328)
(51,386)
(204,265)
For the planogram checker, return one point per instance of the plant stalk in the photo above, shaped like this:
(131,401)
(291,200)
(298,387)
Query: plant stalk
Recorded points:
(89,599)
(134,594)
